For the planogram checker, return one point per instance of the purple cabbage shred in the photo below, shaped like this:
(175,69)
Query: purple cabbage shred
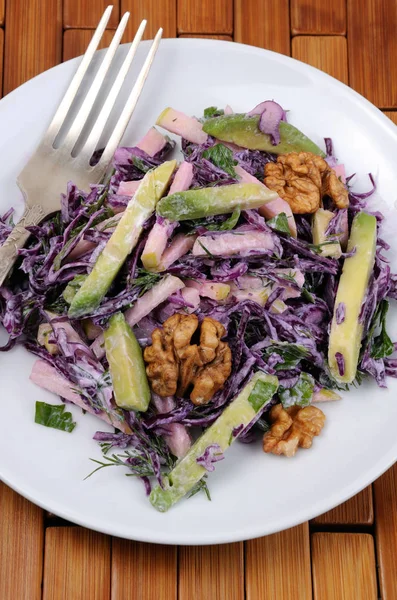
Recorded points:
(212,454)
(279,300)
(340,313)
(340,361)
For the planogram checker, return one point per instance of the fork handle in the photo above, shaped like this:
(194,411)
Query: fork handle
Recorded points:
(17,239)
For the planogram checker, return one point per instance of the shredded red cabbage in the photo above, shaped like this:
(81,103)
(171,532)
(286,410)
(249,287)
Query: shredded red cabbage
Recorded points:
(271,114)
(340,360)
(212,454)
(340,313)
(280,324)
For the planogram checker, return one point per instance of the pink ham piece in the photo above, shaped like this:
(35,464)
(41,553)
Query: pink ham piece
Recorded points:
(84,246)
(156,243)
(177,438)
(143,306)
(276,207)
(233,148)
(180,245)
(152,142)
(228,244)
(210,289)
(246,282)
(183,178)
(246,177)
(148,302)
(72,335)
(260,297)
(324,395)
(344,237)
(272,208)
(228,110)
(44,335)
(163,404)
(259,289)
(175,434)
(47,377)
(341,172)
(161,231)
(187,127)
(128,188)
(291,292)
(192,297)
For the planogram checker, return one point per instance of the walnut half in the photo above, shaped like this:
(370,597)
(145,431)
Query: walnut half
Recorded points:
(292,428)
(302,179)
(174,364)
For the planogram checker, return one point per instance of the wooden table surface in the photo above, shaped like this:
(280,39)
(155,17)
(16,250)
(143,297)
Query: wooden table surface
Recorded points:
(349,553)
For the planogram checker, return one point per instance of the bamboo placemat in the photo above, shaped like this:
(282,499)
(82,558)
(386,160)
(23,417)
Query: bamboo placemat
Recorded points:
(349,553)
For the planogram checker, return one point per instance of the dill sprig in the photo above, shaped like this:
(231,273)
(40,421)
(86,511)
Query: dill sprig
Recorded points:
(200,486)
(139,463)
(139,459)
(145,280)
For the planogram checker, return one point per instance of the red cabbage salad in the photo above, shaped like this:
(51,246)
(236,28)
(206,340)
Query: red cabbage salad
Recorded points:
(193,303)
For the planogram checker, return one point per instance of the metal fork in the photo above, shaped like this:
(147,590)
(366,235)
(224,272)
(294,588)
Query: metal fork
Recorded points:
(48,171)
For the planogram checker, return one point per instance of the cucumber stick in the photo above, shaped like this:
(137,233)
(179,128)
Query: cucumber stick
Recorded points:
(127,368)
(244,131)
(122,241)
(346,331)
(241,411)
(205,202)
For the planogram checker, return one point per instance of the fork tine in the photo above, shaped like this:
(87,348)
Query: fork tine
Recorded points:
(125,116)
(72,90)
(103,116)
(88,102)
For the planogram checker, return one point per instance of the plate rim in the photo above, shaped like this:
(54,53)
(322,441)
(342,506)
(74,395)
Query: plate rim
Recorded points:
(245,533)
(255,530)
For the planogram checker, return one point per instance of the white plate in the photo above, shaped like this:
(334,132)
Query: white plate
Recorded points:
(252,493)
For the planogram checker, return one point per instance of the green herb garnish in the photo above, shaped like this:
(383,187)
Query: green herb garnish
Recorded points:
(140,164)
(138,460)
(201,485)
(317,248)
(213,111)
(226,225)
(232,221)
(306,295)
(221,157)
(279,223)
(291,354)
(58,306)
(145,280)
(382,345)
(205,250)
(262,425)
(300,394)
(73,287)
(327,381)
(142,465)
(54,416)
